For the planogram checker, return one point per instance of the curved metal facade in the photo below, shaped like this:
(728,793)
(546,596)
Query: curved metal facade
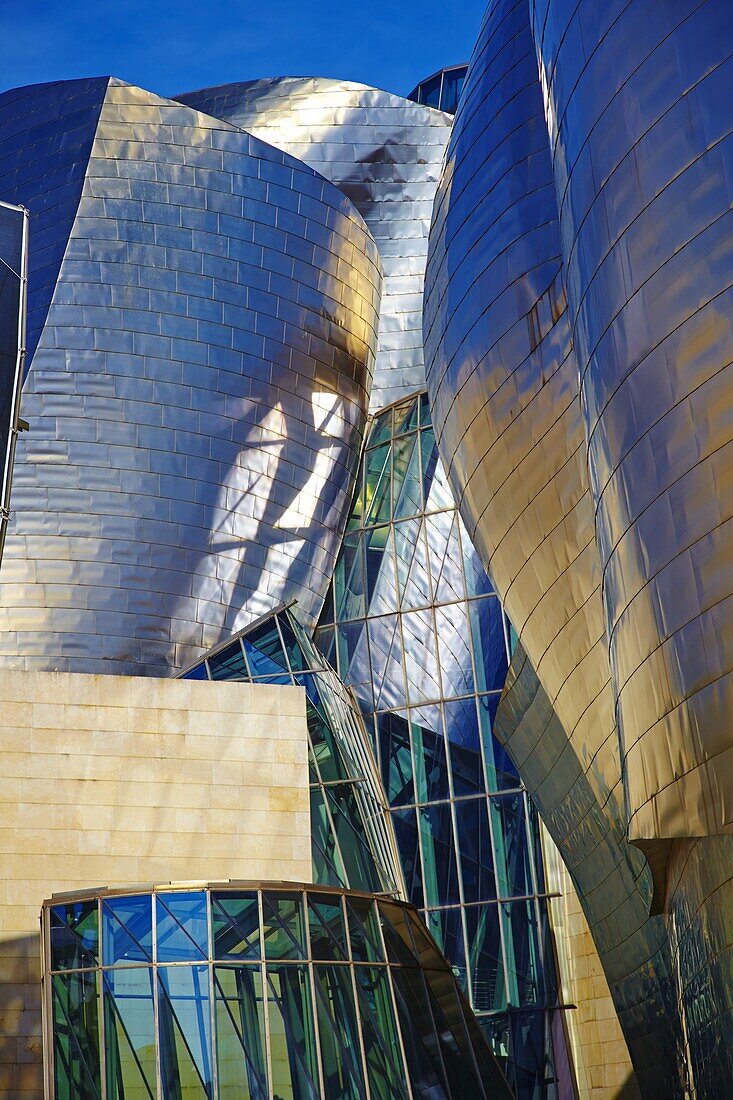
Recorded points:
(386,154)
(643,112)
(199,388)
(626,204)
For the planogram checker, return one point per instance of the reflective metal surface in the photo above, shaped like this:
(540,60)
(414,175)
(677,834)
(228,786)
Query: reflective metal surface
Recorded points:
(353,840)
(416,629)
(253,991)
(503,383)
(385,153)
(642,109)
(204,312)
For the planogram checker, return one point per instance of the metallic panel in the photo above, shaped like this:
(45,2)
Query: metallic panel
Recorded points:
(385,153)
(199,388)
(638,103)
(502,377)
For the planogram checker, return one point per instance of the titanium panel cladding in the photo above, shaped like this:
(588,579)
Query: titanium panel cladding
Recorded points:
(386,154)
(638,103)
(504,388)
(199,388)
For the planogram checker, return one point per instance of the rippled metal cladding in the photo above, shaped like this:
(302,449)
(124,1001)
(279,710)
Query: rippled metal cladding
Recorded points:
(580,265)
(203,315)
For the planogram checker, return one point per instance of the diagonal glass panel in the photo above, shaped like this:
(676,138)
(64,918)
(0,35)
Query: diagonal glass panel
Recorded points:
(181,927)
(485,958)
(405,826)
(385,1068)
(378,475)
(127,930)
(326,927)
(343,1073)
(130,1034)
(445,558)
(381,428)
(198,672)
(455,1048)
(487,632)
(397,935)
(408,501)
(228,664)
(380,571)
(439,498)
(366,942)
(521,945)
(440,867)
(235,922)
(422,1047)
(241,1060)
(353,838)
(396,761)
(500,771)
(513,861)
(428,753)
(478,582)
(406,415)
(385,646)
(265,653)
(328,868)
(477,857)
(446,928)
(411,555)
(349,579)
(74,935)
(454,650)
(293,648)
(464,745)
(76,1036)
(283,927)
(184,1025)
(293,1055)
(421,661)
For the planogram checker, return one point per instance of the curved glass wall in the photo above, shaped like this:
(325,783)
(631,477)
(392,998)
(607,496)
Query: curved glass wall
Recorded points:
(352,836)
(255,993)
(442,89)
(415,628)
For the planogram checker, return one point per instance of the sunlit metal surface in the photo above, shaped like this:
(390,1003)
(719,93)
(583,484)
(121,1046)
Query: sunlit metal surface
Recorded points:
(640,131)
(385,153)
(504,389)
(199,386)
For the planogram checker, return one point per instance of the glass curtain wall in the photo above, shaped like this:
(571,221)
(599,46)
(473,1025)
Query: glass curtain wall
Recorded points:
(249,993)
(413,625)
(352,836)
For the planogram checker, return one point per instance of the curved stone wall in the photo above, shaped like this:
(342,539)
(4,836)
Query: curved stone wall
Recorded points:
(199,389)
(638,108)
(385,153)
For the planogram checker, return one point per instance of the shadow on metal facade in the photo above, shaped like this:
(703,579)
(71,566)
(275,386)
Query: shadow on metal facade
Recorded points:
(386,154)
(576,320)
(197,396)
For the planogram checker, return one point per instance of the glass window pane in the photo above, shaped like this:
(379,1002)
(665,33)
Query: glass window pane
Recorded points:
(477,858)
(395,758)
(387,671)
(487,630)
(380,571)
(445,558)
(127,930)
(422,1047)
(378,474)
(343,1074)
(406,498)
(283,925)
(381,429)
(293,1057)
(228,664)
(397,935)
(405,826)
(264,650)
(130,1033)
(292,646)
(235,922)
(349,579)
(500,771)
(513,861)
(184,1026)
(240,1033)
(326,927)
(351,829)
(74,935)
(76,1036)
(454,650)
(428,753)
(411,555)
(421,661)
(440,868)
(446,927)
(198,672)
(181,927)
(485,959)
(327,863)
(452,1034)
(366,943)
(464,741)
(524,971)
(406,415)
(385,1067)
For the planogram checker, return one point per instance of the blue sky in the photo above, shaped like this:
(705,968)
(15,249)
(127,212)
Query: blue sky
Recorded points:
(171,47)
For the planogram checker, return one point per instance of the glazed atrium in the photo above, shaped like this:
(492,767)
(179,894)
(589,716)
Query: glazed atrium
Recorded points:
(363,602)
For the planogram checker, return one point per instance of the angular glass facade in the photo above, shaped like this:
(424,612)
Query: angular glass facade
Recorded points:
(442,89)
(352,835)
(251,992)
(414,627)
